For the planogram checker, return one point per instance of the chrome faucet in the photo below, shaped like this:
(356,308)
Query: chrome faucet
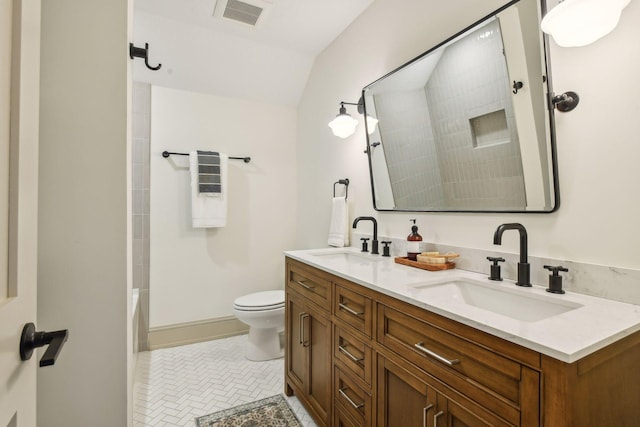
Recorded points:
(374,241)
(523,265)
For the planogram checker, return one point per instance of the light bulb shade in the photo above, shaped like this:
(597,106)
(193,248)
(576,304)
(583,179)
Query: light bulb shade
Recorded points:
(371,124)
(581,22)
(343,126)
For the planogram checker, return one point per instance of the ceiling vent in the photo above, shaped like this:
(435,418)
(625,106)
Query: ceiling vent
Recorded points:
(247,12)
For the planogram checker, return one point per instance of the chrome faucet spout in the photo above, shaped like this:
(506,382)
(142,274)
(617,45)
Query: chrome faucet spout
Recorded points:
(374,241)
(524,276)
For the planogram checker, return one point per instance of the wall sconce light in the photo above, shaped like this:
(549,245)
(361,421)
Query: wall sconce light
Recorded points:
(575,23)
(343,126)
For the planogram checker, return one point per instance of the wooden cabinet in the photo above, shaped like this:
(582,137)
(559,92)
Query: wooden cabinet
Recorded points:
(403,400)
(356,357)
(502,385)
(408,398)
(308,362)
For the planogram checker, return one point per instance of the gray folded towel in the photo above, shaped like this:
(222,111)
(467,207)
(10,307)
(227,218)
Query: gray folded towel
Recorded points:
(209,172)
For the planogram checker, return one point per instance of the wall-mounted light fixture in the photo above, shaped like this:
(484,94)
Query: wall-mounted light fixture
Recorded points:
(343,126)
(575,23)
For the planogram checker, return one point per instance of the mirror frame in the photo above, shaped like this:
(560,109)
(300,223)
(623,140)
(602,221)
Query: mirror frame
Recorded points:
(550,111)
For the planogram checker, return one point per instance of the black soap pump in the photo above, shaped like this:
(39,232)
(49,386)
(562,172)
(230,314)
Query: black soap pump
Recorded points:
(413,242)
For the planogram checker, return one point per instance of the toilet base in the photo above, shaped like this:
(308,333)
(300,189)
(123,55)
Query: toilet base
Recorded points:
(264,344)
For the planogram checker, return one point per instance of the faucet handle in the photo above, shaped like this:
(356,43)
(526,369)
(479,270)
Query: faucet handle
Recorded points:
(365,246)
(495,268)
(555,279)
(555,269)
(385,249)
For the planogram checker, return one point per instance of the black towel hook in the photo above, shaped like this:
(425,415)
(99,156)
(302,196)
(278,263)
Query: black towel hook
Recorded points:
(138,52)
(516,86)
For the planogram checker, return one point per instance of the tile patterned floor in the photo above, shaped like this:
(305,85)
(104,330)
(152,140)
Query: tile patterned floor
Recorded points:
(175,385)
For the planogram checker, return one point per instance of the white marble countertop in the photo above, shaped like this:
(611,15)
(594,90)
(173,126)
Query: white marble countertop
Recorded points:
(584,324)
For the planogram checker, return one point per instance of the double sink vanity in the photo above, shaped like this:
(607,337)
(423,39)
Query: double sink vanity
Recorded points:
(468,126)
(375,343)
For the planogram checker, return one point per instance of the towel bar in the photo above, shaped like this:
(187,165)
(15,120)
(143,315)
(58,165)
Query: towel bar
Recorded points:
(166,154)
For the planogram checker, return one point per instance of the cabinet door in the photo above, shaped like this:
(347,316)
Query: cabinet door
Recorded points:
(402,399)
(296,360)
(457,411)
(317,338)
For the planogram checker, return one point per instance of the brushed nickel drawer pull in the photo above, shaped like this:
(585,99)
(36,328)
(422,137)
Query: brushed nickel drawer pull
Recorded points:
(349,355)
(349,309)
(424,414)
(354,404)
(436,356)
(304,285)
(435,418)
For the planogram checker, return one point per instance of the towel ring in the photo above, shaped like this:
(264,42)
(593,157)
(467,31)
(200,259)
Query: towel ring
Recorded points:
(344,182)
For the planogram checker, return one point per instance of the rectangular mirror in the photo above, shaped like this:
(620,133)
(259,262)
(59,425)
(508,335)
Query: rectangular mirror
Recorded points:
(466,126)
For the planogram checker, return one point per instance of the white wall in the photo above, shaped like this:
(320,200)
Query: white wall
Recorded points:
(84,279)
(201,60)
(195,274)
(598,146)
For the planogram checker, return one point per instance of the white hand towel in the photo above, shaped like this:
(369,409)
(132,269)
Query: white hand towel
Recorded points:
(339,227)
(207,209)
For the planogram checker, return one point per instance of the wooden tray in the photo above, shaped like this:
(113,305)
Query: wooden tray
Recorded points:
(431,267)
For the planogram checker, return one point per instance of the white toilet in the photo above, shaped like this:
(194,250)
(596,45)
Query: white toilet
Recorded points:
(264,313)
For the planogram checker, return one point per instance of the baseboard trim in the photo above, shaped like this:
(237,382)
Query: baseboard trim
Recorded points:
(193,332)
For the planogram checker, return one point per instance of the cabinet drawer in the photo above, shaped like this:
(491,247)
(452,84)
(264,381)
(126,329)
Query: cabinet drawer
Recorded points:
(353,309)
(354,354)
(342,419)
(352,398)
(310,285)
(487,377)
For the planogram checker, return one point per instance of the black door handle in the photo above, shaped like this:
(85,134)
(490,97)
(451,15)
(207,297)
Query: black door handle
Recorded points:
(31,339)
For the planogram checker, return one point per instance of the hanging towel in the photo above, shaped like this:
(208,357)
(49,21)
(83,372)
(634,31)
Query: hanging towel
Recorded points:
(208,209)
(339,227)
(209,178)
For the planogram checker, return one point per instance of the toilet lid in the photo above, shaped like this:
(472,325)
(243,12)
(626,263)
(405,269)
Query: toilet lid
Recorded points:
(261,300)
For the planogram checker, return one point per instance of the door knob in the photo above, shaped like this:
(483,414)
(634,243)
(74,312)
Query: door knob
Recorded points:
(31,339)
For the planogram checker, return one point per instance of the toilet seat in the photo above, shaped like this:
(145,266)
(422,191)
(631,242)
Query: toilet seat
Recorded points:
(260,301)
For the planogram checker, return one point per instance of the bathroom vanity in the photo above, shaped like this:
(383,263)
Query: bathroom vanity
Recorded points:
(374,343)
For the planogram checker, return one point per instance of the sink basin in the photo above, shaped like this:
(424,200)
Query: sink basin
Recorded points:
(347,256)
(518,304)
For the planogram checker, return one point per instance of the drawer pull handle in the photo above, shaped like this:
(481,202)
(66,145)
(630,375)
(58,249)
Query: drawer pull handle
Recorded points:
(435,418)
(349,355)
(349,309)
(354,404)
(303,338)
(304,285)
(436,356)
(424,414)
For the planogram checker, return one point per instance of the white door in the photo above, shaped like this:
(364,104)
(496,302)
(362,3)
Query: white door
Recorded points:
(19,103)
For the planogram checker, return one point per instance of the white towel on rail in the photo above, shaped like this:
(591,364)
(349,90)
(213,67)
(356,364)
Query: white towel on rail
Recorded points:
(339,227)
(208,210)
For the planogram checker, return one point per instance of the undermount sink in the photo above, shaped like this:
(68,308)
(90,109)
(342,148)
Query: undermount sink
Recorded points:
(347,256)
(517,304)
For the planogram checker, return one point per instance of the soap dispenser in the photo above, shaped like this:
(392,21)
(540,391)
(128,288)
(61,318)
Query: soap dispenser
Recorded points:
(413,242)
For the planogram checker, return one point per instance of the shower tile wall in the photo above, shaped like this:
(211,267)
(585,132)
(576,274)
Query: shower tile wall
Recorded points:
(410,149)
(140,172)
(467,86)
(453,142)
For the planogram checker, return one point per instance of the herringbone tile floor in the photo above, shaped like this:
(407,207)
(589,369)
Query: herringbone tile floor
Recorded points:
(175,385)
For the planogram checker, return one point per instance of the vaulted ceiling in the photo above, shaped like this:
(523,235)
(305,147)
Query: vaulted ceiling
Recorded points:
(206,53)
